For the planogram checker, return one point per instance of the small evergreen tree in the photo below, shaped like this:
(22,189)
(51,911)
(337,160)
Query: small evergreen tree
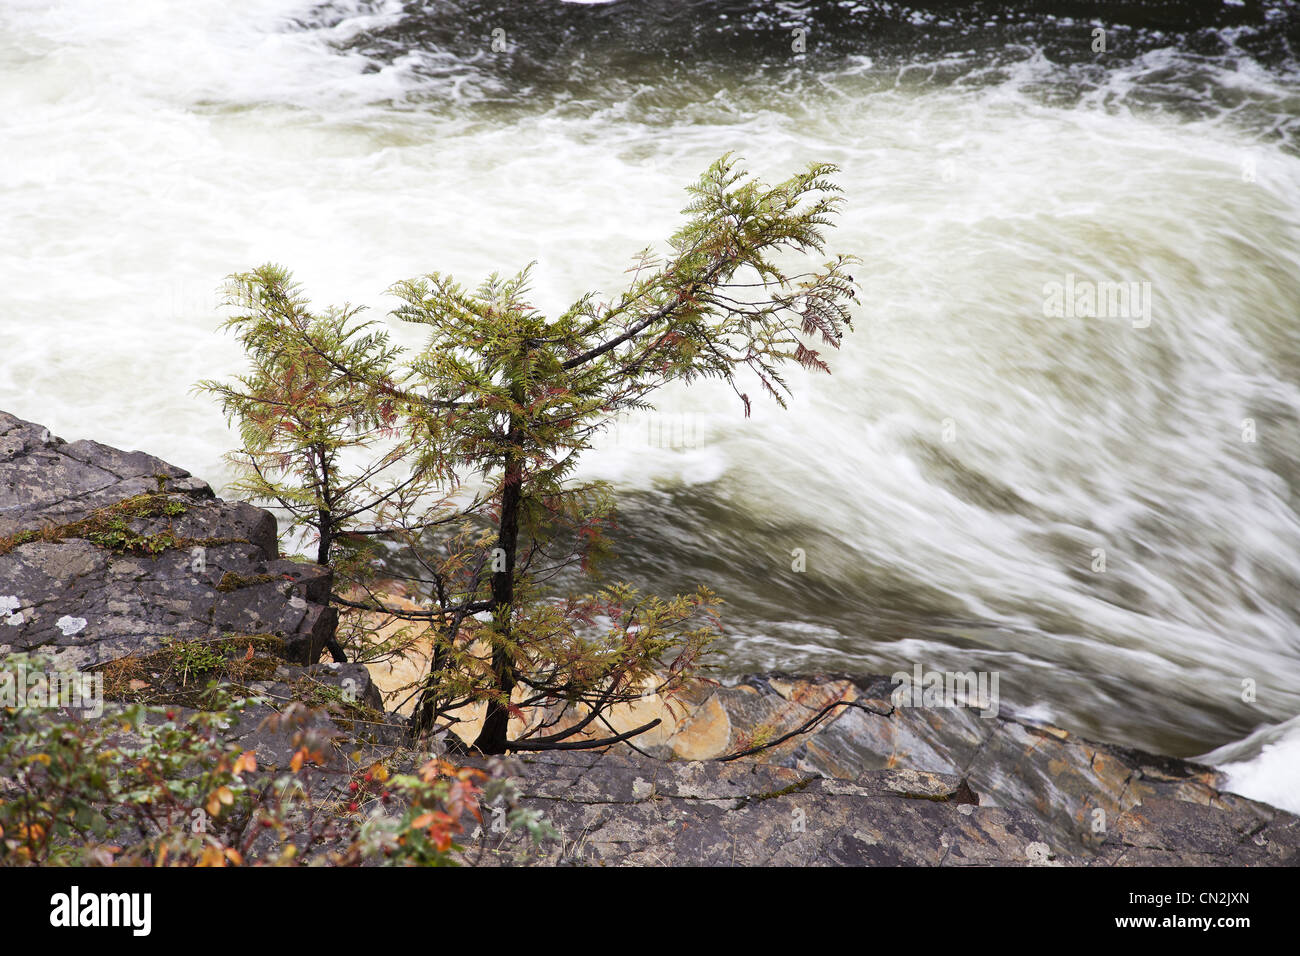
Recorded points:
(474,439)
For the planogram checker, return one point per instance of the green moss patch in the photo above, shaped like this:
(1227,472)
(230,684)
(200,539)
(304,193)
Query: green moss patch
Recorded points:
(230,581)
(181,673)
(112,527)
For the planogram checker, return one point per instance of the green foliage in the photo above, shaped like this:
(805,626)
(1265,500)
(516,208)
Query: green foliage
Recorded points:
(152,786)
(472,441)
(195,659)
(76,791)
(119,536)
(307,401)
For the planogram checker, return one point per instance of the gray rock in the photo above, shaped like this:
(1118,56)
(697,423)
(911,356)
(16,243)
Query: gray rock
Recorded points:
(1085,795)
(209,570)
(630,810)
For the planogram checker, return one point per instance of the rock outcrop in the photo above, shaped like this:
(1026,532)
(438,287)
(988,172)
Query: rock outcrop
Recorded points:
(106,553)
(120,563)
(1082,795)
(614,809)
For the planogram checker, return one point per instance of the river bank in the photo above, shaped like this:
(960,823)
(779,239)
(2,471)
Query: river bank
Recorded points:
(98,570)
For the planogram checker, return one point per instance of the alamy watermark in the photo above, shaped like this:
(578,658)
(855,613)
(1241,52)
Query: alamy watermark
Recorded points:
(75,909)
(75,690)
(673,430)
(921,688)
(1086,299)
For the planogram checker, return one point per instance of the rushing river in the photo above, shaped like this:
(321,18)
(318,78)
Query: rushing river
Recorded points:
(1100,505)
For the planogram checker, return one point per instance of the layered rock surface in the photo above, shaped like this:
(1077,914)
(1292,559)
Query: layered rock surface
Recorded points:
(1083,795)
(112,558)
(613,809)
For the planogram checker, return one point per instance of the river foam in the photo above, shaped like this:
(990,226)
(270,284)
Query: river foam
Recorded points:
(953,482)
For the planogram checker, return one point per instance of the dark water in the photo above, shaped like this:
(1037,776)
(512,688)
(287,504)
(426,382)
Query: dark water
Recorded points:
(656,54)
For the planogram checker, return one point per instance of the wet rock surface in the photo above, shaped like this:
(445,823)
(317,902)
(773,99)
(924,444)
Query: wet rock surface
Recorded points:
(109,560)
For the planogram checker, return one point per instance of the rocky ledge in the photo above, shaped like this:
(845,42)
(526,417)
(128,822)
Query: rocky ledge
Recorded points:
(117,562)
(106,553)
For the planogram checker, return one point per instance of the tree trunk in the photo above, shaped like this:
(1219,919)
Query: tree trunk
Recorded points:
(326,529)
(495,733)
(325,512)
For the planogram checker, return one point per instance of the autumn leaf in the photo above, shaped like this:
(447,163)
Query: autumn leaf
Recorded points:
(246,762)
(220,797)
